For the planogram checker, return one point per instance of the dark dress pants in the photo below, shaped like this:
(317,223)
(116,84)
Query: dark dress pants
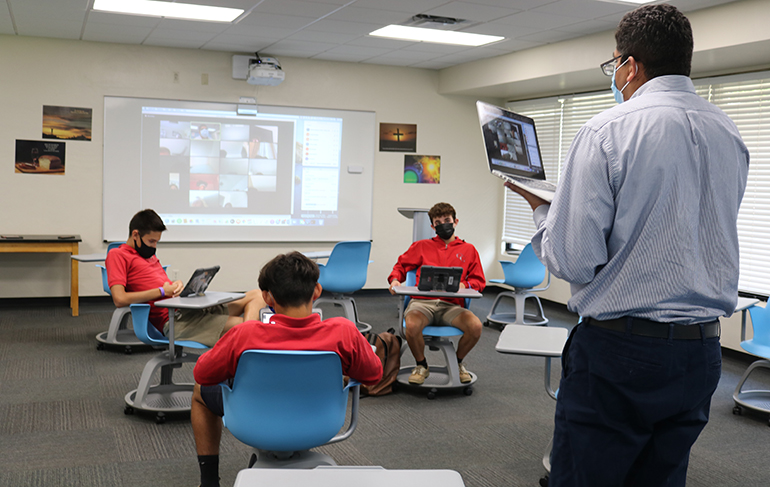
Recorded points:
(629,408)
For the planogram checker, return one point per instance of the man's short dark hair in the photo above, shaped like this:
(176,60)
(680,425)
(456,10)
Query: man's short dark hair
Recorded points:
(659,37)
(439,210)
(146,221)
(290,278)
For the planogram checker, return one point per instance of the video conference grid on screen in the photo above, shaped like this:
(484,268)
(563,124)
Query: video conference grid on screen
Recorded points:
(512,144)
(203,167)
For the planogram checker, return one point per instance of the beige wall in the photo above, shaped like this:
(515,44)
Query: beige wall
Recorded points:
(39,72)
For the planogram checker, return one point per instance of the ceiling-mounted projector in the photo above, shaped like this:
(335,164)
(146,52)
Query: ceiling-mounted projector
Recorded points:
(265,71)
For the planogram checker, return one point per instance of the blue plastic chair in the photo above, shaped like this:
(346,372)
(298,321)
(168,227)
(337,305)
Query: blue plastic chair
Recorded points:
(283,403)
(522,275)
(755,400)
(437,337)
(167,396)
(118,334)
(344,273)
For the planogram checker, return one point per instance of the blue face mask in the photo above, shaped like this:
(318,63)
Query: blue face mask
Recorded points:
(618,93)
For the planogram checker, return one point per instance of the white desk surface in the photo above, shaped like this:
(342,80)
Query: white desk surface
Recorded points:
(413,291)
(89,257)
(347,477)
(199,302)
(745,303)
(542,341)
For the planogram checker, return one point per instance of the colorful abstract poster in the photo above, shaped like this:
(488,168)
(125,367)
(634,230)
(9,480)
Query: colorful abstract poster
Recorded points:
(398,137)
(422,169)
(36,157)
(67,123)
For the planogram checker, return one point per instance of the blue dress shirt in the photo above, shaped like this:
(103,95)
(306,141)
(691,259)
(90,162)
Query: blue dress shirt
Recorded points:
(643,222)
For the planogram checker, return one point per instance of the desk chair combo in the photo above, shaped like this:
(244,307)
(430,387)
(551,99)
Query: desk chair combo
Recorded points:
(437,337)
(283,403)
(523,275)
(755,400)
(345,273)
(166,396)
(118,334)
(547,342)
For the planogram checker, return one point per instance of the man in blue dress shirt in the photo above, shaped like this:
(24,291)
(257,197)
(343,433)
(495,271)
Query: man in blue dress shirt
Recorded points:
(643,227)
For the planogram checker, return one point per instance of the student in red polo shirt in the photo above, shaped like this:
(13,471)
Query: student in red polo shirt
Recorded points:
(135,275)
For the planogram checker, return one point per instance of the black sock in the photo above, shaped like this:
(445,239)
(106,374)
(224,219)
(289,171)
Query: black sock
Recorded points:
(209,465)
(459,360)
(423,362)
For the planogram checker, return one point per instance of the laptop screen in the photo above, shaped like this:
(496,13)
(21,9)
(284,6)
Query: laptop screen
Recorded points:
(510,141)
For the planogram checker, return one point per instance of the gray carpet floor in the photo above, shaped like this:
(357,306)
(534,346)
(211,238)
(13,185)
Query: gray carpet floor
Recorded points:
(62,421)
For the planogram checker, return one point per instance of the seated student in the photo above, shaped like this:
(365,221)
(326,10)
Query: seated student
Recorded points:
(289,284)
(445,250)
(135,275)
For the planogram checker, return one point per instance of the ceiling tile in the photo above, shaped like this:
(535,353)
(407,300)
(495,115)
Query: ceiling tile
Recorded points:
(517,4)
(358,51)
(314,9)
(589,27)
(472,11)
(242,44)
(344,27)
(437,48)
(315,36)
(127,20)
(59,29)
(434,64)
(198,38)
(287,22)
(302,45)
(258,30)
(410,57)
(174,24)
(411,6)
(111,33)
(501,29)
(372,41)
(539,20)
(584,9)
(162,42)
(550,36)
(512,45)
(369,15)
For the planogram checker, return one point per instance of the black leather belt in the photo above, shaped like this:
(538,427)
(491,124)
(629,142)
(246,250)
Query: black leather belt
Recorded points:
(656,329)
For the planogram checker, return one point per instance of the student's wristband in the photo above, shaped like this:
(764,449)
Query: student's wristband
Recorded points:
(162,292)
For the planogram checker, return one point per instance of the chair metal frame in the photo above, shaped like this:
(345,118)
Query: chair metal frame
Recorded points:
(523,275)
(166,396)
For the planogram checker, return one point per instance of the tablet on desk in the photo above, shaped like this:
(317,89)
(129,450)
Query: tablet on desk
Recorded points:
(446,279)
(199,281)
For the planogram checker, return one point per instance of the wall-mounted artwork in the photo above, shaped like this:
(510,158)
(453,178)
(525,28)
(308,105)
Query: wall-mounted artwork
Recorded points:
(398,137)
(36,157)
(422,169)
(67,123)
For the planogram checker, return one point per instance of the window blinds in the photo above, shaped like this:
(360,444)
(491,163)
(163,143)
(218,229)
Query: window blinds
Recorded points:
(744,98)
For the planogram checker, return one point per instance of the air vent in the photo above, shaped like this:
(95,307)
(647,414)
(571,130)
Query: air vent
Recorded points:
(436,22)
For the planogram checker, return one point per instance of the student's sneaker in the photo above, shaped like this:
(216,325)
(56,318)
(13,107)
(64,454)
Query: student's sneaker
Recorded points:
(465,376)
(419,374)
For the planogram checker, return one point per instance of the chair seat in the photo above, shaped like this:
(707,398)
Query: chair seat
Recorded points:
(441,331)
(755,348)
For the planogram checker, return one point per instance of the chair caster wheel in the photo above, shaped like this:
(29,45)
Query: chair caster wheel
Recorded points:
(544,481)
(486,323)
(432,394)
(128,350)
(468,391)
(737,410)
(128,410)
(160,418)
(100,346)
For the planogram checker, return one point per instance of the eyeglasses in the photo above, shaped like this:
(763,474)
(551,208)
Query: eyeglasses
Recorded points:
(608,68)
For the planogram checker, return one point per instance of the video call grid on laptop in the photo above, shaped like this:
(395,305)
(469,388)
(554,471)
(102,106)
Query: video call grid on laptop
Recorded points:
(512,149)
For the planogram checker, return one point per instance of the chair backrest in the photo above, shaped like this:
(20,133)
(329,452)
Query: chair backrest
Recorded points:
(285,400)
(760,323)
(345,271)
(526,272)
(105,282)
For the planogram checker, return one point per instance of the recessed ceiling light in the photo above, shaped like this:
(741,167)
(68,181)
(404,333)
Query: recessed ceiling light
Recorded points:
(432,35)
(153,8)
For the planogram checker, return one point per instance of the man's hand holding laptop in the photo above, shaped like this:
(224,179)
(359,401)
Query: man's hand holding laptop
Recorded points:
(534,201)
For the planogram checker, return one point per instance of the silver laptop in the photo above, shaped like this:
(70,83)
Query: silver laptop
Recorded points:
(512,150)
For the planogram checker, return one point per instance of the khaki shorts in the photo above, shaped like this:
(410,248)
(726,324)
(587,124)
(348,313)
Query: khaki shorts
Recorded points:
(437,311)
(200,325)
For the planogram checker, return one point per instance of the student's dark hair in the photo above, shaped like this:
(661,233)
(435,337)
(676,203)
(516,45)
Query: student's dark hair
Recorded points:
(439,210)
(659,37)
(290,278)
(146,221)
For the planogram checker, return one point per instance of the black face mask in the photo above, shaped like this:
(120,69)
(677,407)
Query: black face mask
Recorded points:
(445,230)
(144,250)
